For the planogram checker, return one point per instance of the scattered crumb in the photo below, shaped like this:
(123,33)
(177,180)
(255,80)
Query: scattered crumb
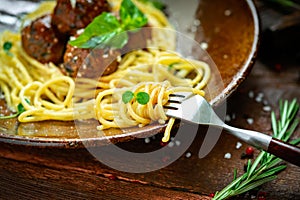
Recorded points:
(227,155)
(238,145)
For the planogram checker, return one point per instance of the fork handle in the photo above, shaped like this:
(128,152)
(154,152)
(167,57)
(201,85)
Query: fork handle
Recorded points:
(285,151)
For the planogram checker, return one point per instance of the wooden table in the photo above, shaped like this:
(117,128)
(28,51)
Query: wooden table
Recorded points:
(38,173)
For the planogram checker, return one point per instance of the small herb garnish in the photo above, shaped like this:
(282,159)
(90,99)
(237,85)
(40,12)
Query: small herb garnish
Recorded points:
(107,31)
(127,96)
(141,97)
(6,47)
(265,166)
(20,110)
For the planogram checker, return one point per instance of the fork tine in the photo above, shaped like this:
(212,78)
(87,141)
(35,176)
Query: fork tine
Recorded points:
(172,106)
(176,98)
(179,96)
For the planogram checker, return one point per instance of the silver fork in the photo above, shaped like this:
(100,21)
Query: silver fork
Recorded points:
(195,109)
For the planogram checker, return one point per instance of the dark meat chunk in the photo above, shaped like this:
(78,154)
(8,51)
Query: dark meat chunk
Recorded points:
(137,40)
(40,41)
(90,63)
(68,19)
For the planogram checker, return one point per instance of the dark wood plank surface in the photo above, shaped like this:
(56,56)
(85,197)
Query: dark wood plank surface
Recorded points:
(45,173)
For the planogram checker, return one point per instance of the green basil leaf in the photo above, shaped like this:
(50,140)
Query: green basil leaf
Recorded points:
(118,41)
(142,98)
(127,96)
(100,41)
(107,31)
(100,29)
(21,108)
(131,16)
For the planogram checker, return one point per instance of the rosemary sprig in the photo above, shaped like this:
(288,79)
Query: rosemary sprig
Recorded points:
(286,3)
(265,166)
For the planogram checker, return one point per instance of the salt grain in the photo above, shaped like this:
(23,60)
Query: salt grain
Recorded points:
(147,140)
(177,142)
(260,95)
(188,155)
(227,118)
(171,144)
(267,108)
(227,155)
(204,45)
(258,99)
(250,121)
(197,22)
(251,94)
(227,13)
(238,145)
(233,116)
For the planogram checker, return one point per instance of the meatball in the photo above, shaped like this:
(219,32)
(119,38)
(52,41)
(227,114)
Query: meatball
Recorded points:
(90,63)
(41,41)
(68,19)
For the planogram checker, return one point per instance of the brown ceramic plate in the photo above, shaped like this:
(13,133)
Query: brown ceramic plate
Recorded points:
(230,28)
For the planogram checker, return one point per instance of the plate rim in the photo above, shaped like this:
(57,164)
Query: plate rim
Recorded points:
(74,143)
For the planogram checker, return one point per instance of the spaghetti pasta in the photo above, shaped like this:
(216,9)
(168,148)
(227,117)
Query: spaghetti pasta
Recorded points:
(47,94)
